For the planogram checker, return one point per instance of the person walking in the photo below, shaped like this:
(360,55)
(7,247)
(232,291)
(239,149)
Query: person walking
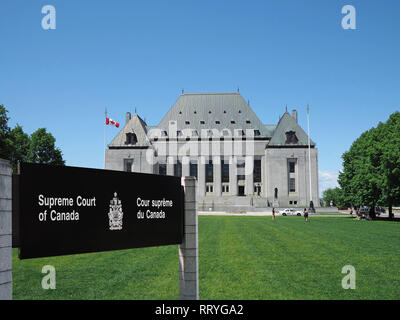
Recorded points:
(273,213)
(305,213)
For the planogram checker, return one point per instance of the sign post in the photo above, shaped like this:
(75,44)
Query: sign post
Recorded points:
(5,231)
(188,250)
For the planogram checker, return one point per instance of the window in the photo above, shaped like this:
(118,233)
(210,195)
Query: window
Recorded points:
(178,169)
(295,202)
(131,138)
(193,170)
(257,190)
(209,171)
(241,170)
(217,122)
(292,185)
(187,122)
(292,166)
(209,188)
(248,121)
(257,133)
(291,137)
(202,122)
(162,168)
(128,165)
(233,122)
(224,171)
(290,202)
(257,170)
(225,188)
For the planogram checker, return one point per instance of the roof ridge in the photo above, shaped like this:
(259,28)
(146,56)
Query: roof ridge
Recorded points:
(210,93)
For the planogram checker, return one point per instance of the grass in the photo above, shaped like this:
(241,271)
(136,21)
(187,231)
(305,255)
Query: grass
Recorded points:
(239,258)
(337,213)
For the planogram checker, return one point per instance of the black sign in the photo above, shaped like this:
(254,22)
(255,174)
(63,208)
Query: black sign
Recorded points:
(67,210)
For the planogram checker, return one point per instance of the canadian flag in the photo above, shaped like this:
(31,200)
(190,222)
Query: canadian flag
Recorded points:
(111,121)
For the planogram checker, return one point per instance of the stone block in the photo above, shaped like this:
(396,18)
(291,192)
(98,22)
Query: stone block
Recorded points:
(5,277)
(5,222)
(5,187)
(6,291)
(5,258)
(5,240)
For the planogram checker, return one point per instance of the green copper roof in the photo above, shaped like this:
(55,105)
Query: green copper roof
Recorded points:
(287,124)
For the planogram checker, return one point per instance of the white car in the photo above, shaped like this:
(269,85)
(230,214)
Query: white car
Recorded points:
(290,212)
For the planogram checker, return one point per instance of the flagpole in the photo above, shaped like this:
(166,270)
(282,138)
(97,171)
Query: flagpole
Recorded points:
(309,154)
(105,137)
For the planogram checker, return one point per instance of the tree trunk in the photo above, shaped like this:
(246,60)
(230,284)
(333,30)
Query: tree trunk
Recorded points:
(372,212)
(391,215)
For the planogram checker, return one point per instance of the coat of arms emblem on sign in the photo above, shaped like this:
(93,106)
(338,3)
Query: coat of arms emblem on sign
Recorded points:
(115,214)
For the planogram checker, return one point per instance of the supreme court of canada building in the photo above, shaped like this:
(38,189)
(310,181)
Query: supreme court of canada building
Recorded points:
(241,164)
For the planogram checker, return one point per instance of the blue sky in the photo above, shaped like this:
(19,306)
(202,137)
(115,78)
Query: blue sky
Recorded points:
(141,54)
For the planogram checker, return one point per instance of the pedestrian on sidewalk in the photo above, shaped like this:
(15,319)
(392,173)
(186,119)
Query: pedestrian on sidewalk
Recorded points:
(305,214)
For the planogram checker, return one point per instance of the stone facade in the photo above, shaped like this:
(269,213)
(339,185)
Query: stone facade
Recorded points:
(5,231)
(239,162)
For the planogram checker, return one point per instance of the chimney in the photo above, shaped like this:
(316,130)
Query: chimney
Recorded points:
(294,114)
(128,117)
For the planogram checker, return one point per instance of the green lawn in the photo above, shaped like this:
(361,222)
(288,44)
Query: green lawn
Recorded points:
(240,258)
(336,213)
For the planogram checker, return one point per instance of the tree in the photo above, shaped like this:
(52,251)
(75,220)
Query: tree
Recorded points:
(21,143)
(371,168)
(390,162)
(16,145)
(335,195)
(4,133)
(42,148)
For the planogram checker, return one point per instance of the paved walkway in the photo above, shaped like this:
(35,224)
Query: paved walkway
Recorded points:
(263,213)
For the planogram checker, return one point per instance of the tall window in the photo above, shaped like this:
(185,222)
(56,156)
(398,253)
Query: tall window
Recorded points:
(209,171)
(224,171)
(128,165)
(241,170)
(257,171)
(292,166)
(193,170)
(162,168)
(292,185)
(178,169)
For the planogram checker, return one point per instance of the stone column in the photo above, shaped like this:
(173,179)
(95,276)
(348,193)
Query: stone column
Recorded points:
(233,186)
(249,176)
(188,250)
(201,185)
(263,180)
(5,230)
(170,166)
(217,176)
(185,166)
